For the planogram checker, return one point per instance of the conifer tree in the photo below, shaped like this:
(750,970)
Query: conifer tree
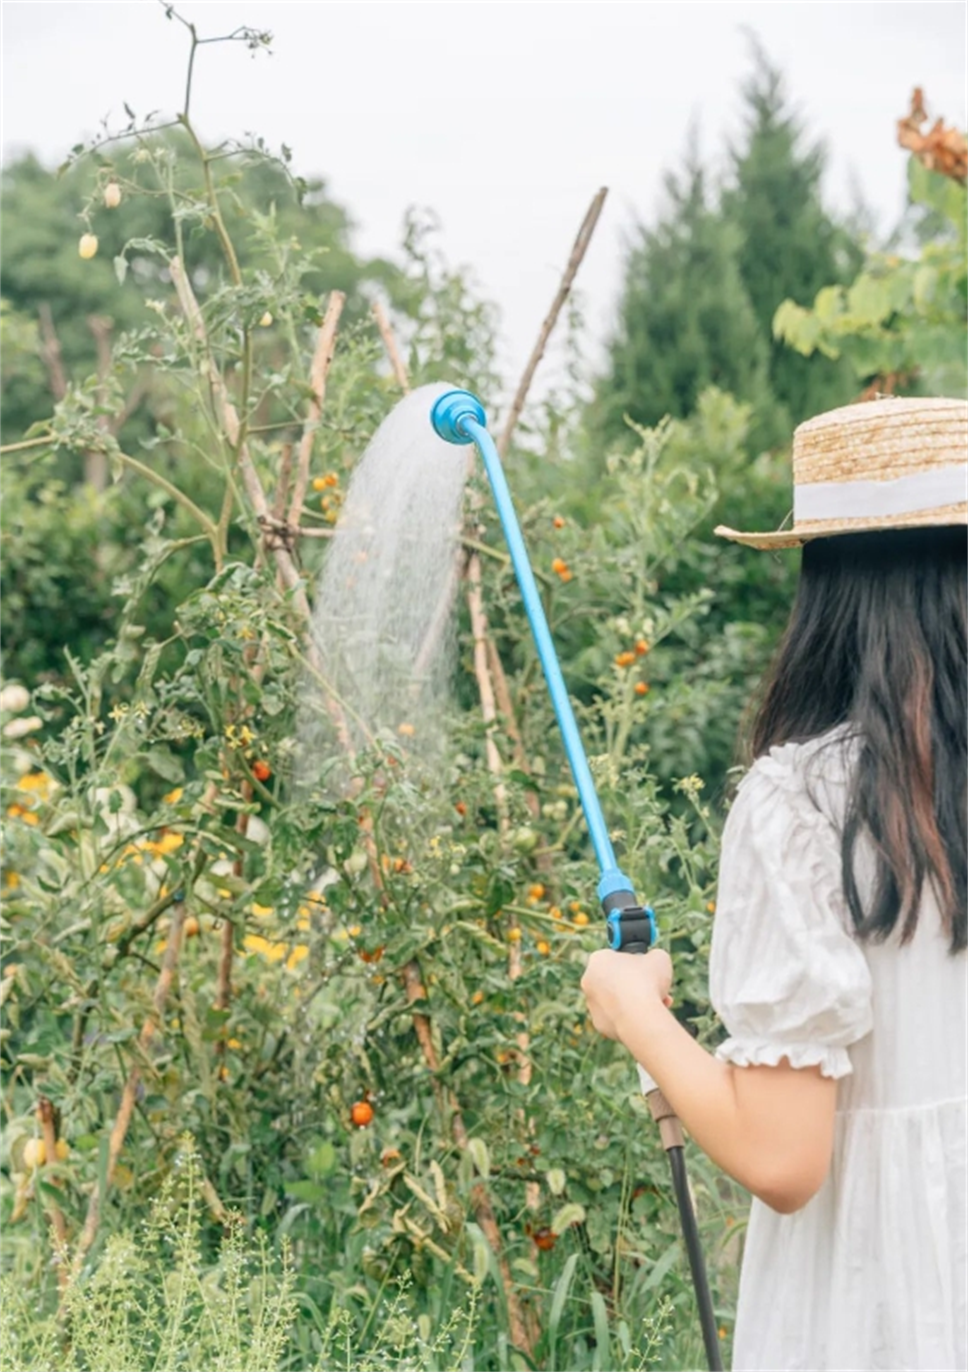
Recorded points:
(788,246)
(686,321)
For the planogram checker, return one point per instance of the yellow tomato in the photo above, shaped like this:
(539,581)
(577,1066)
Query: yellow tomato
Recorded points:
(35,1153)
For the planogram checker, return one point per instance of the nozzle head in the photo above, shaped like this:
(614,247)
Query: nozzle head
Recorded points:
(449,412)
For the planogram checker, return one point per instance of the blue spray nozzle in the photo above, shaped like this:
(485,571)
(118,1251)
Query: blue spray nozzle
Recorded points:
(451,410)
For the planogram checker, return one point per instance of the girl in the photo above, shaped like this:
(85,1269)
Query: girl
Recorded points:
(838,962)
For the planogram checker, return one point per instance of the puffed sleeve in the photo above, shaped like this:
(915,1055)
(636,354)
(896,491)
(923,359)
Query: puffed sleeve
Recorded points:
(787,978)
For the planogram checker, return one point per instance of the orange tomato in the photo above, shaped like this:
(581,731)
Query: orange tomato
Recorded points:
(361,1113)
(261,770)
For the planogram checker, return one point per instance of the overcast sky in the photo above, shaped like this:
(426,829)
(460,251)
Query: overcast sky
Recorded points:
(505,118)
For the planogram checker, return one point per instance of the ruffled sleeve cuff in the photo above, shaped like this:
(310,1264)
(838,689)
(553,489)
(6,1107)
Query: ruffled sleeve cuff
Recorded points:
(752,1052)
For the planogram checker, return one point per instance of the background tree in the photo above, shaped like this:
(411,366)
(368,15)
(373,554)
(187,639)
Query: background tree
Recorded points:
(78,306)
(685,320)
(788,246)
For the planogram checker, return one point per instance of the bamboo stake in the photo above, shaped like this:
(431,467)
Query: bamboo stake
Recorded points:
(50,352)
(390,343)
(230,424)
(282,484)
(579,248)
(322,359)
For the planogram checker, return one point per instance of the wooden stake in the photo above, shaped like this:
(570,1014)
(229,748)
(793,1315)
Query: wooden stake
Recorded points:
(578,251)
(390,343)
(322,358)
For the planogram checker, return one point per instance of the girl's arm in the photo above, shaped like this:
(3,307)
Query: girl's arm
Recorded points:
(770,1128)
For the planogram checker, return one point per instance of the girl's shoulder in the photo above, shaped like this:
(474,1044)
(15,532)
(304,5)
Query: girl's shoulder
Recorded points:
(809,775)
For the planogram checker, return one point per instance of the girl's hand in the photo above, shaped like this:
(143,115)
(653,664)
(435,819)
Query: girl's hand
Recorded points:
(618,984)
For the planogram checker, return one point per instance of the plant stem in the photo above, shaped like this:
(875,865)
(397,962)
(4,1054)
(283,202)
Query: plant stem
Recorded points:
(43,441)
(165,485)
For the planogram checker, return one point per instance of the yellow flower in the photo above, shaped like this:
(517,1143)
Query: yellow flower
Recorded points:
(296,956)
(35,781)
(262,911)
(168,843)
(233,1043)
(11,880)
(173,797)
(272,952)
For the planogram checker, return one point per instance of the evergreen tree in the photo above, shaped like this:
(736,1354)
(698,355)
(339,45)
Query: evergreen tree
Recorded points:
(686,321)
(788,246)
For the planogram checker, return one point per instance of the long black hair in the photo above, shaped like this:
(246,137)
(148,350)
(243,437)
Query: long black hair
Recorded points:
(878,641)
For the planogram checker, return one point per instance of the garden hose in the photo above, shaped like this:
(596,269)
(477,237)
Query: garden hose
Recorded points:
(458,417)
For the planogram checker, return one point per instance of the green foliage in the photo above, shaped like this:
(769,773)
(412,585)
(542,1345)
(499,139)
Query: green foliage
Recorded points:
(686,321)
(116,835)
(789,246)
(330,992)
(163,200)
(155,1301)
(702,285)
(159,1301)
(902,321)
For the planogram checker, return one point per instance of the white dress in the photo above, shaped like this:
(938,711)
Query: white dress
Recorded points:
(871,1273)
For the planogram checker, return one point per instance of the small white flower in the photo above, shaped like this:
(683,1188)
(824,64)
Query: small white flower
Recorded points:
(14,698)
(17,728)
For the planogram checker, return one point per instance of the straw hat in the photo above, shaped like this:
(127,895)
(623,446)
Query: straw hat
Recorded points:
(881,464)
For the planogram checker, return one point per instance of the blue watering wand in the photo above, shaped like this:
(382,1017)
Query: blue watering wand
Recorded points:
(458,417)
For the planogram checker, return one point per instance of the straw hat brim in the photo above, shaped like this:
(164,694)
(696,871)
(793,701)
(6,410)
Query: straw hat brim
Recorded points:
(797,536)
(888,463)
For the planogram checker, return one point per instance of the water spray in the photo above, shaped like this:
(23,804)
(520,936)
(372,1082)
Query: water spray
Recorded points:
(458,417)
